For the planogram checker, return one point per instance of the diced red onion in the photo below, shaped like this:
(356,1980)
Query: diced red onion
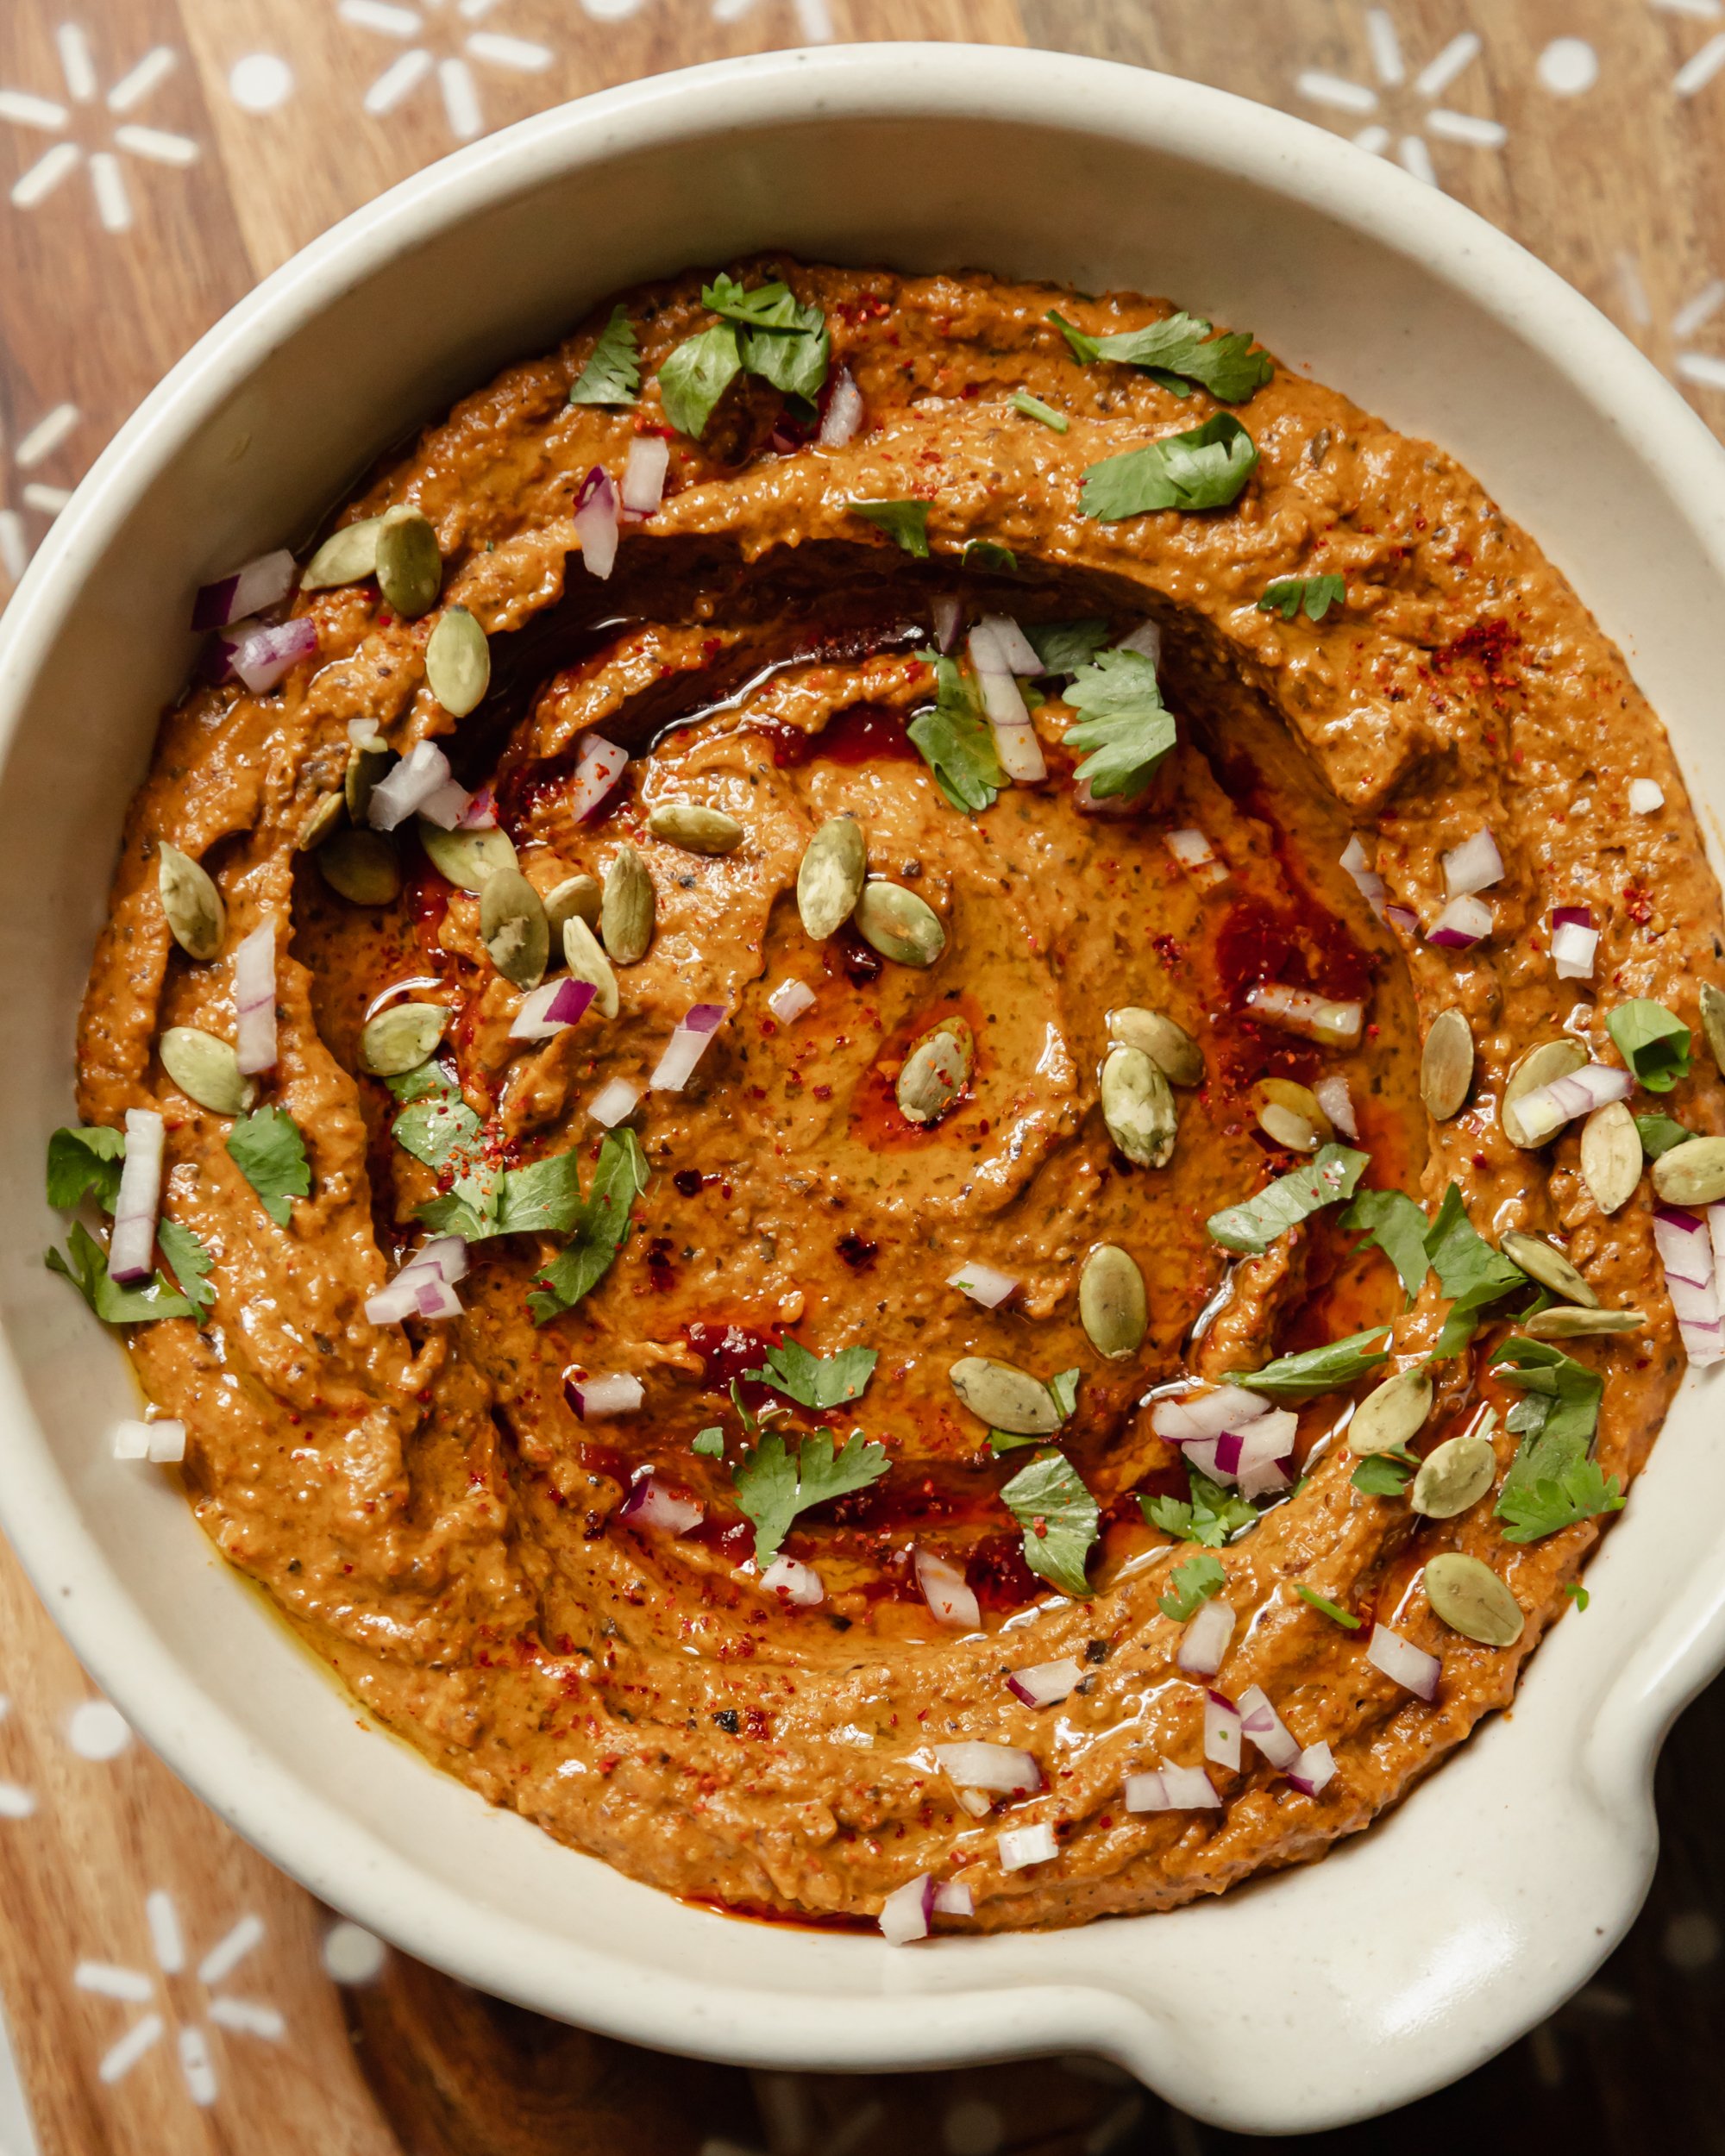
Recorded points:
(1195,1416)
(414,785)
(944,1588)
(1475,865)
(131,1440)
(162,1441)
(1716,1231)
(550,1007)
(905,1912)
(952,1897)
(1571,917)
(843,418)
(1332,1096)
(1045,1683)
(436,1299)
(797,1584)
(1198,857)
(1016,648)
(686,1047)
(596,523)
(649,1504)
(620,1395)
(1371,886)
(1015,741)
(1545,1110)
(1313,1769)
(1574,941)
(945,614)
(1402,917)
(131,1248)
(1022,1846)
(1172,1788)
(1331,1023)
(1260,1722)
(259,654)
(983,1284)
(602,764)
(363,734)
(481,814)
(1115,804)
(615,1098)
(1145,640)
(1685,1243)
(1402,1663)
(644,475)
(254,1000)
(1463,923)
(444,1255)
(1003,1770)
(1020,755)
(1222,1731)
(1646,796)
(1205,1640)
(436,1267)
(790,999)
(262,583)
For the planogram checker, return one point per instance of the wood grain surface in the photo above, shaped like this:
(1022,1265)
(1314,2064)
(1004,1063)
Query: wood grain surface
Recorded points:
(167,1990)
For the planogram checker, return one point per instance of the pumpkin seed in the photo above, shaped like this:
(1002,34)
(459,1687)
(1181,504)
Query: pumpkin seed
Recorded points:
(513,927)
(409,568)
(835,866)
(1005,1397)
(367,760)
(1713,1021)
(401,1037)
(327,811)
(1138,1107)
(1454,1476)
(576,898)
(1447,1065)
(1392,1414)
(467,858)
(586,962)
(1611,1154)
(627,907)
(1550,1268)
(1289,1114)
(697,830)
(351,553)
(458,662)
(1168,1046)
(936,1072)
(1692,1173)
(1111,1302)
(206,1070)
(1563,1322)
(361,867)
(193,906)
(899,925)
(1471,1600)
(1539,1066)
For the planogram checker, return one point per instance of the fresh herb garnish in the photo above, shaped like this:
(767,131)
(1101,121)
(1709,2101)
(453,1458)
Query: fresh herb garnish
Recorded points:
(1470,1272)
(1252,1226)
(1551,1483)
(1653,1043)
(1125,726)
(1014,1440)
(1190,1585)
(438,1128)
(1064,646)
(1332,1610)
(1577,1593)
(1315,1371)
(1384,1474)
(1397,1225)
(613,373)
(709,1443)
(1659,1133)
(85,1266)
(1214,1516)
(772,1488)
(1561,1396)
(600,1229)
(1033,408)
(1064,1386)
(983,554)
(268,1149)
(187,1251)
(1226,365)
(85,1162)
(783,342)
(1288,595)
(905,521)
(696,375)
(1059,1517)
(544,1198)
(816,1381)
(956,741)
(1205,467)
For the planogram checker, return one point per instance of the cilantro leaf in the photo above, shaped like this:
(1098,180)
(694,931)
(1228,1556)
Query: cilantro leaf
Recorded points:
(1252,1226)
(1561,1396)
(783,342)
(709,1443)
(1383,1474)
(268,1149)
(772,1488)
(1577,1593)
(1059,1517)
(795,365)
(905,521)
(1551,1483)
(956,741)
(1546,1503)
(1064,1386)
(773,306)
(1470,1272)
(1315,1371)
(983,554)
(600,1227)
(1064,646)
(544,1198)
(1205,467)
(1033,408)
(696,375)
(816,1381)
(438,1128)
(1653,1043)
(1316,594)
(187,1251)
(1332,1610)
(1125,726)
(1191,1585)
(85,1266)
(1226,367)
(1659,1133)
(85,1162)
(612,372)
(1397,1225)
(1011,1440)
(1214,1516)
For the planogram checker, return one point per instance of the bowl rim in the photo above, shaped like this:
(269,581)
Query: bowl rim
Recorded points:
(329,1853)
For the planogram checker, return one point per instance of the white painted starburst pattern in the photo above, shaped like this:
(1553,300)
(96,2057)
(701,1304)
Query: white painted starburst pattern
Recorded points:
(27,494)
(94,128)
(1410,106)
(441,44)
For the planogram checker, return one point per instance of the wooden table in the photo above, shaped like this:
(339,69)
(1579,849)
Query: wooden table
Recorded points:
(169,1993)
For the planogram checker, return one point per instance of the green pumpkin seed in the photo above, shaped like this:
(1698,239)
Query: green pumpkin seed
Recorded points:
(1454,1476)
(834,868)
(899,925)
(586,962)
(1539,1066)
(467,858)
(1139,1108)
(1471,1600)
(1611,1155)
(409,568)
(1168,1046)
(1563,1322)
(326,815)
(576,899)
(936,1072)
(1713,1021)
(1692,1173)
(206,1070)
(627,907)
(401,1037)
(513,927)
(458,662)
(195,915)
(1539,1261)
(1005,1397)
(697,830)
(350,554)
(367,760)
(1111,1302)
(1447,1065)
(361,867)
(1392,1414)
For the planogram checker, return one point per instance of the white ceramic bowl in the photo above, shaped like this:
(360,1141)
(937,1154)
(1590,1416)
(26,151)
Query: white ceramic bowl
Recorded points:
(1406,1957)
